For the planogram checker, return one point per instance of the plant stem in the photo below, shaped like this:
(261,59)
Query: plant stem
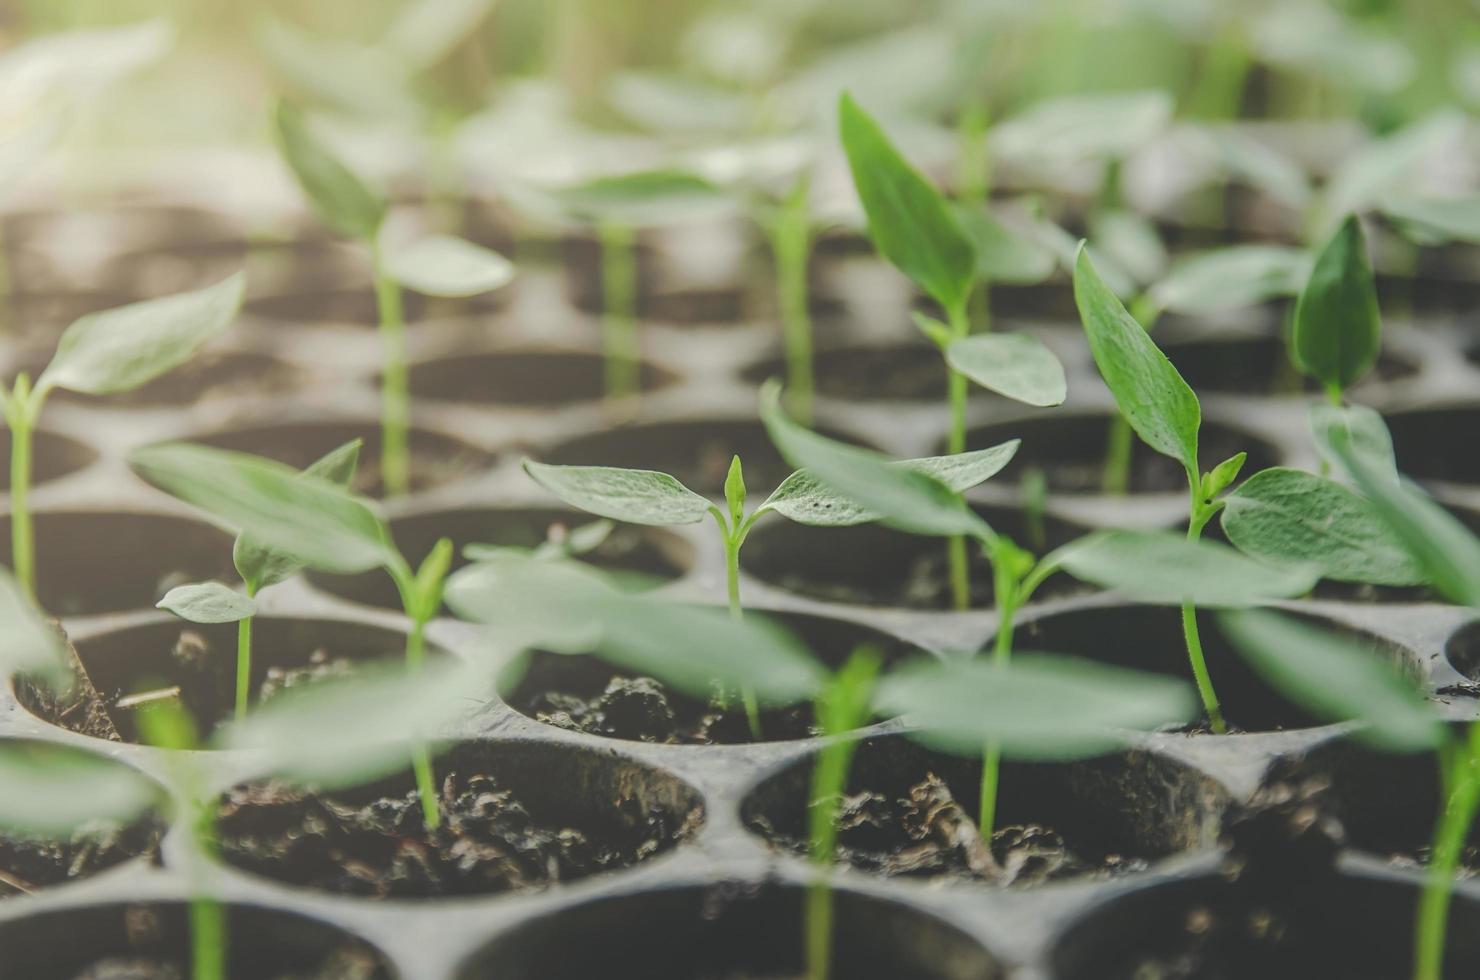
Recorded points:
(1006,585)
(791,245)
(956,443)
(21,410)
(619,305)
(207,939)
(1463,780)
(1116,479)
(395,398)
(732,583)
(243,665)
(1201,514)
(421,760)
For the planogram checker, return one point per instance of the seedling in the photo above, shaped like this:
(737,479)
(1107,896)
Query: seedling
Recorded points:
(436,265)
(648,497)
(259,567)
(318,525)
(915,228)
(1337,330)
(102,354)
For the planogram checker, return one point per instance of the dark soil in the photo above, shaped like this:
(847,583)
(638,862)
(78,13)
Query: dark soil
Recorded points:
(345,963)
(905,373)
(929,834)
(27,866)
(487,842)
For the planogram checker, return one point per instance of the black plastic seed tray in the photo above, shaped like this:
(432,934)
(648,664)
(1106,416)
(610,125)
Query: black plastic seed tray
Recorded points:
(697,873)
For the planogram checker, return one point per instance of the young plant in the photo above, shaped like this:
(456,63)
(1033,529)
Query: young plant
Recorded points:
(102,354)
(259,567)
(436,265)
(1337,329)
(316,524)
(648,497)
(915,228)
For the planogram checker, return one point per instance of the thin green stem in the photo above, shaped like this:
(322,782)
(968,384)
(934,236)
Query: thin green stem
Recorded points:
(395,396)
(243,666)
(421,759)
(1006,585)
(791,245)
(1116,478)
(1463,780)
(1200,515)
(22,535)
(733,539)
(207,939)
(619,306)
(960,570)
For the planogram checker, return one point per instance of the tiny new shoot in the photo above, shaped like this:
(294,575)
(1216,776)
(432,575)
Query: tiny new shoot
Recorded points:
(658,499)
(319,526)
(915,227)
(259,567)
(106,353)
(435,265)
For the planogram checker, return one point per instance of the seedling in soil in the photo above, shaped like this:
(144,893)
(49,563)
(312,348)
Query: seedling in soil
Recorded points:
(318,525)
(259,567)
(102,354)
(915,228)
(648,497)
(436,265)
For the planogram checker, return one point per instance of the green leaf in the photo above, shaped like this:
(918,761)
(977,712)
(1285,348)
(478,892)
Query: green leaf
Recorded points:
(1438,219)
(260,566)
(1359,428)
(1002,254)
(207,602)
(79,64)
(1250,161)
(911,223)
(1039,707)
(33,647)
(1131,242)
(634,496)
(1337,678)
(1077,127)
(1152,396)
(735,492)
(649,198)
(1221,476)
(803,498)
(1367,176)
(1337,326)
(426,31)
(936,332)
(339,197)
(1288,515)
(903,497)
(348,731)
(1015,365)
(317,523)
(52,791)
(1232,278)
(443,265)
(122,348)
(1164,567)
(1443,547)
(431,577)
(338,74)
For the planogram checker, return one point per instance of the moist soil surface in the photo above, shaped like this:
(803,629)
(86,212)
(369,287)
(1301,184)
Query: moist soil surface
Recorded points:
(487,841)
(28,866)
(929,834)
(870,374)
(346,963)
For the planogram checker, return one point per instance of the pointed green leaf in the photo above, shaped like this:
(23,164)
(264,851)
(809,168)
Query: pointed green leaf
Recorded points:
(803,498)
(260,566)
(735,492)
(1232,278)
(1152,396)
(1291,516)
(319,524)
(1221,476)
(207,602)
(634,496)
(1002,254)
(443,265)
(1337,678)
(54,791)
(910,221)
(1164,567)
(340,198)
(32,647)
(1039,707)
(1015,365)
(1360,428)
(431,578)
(122,348)
(1337,326)
(903,497)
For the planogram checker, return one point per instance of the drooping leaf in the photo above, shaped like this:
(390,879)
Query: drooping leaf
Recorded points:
(207,602)
(1077,127)
(444,265)
(1152,396)
(1164,567)
(261,566)
(634,496)
(1337,678)
(1285,515)
(1014,365)
(648,198)
(340,198)
(1231,278)
(32,646)
(321,525)
(905,498)
(1359,428)
(1337,328)
(122,348)
(1002,253)
(909,220)
(54,791)
(803,498)
(1449,219)
(1039,707)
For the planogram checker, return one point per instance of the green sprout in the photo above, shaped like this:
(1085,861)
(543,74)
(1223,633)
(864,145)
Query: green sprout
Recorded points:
(106,353)
(916,229)
(318,525)
(259,567)
(436,265)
